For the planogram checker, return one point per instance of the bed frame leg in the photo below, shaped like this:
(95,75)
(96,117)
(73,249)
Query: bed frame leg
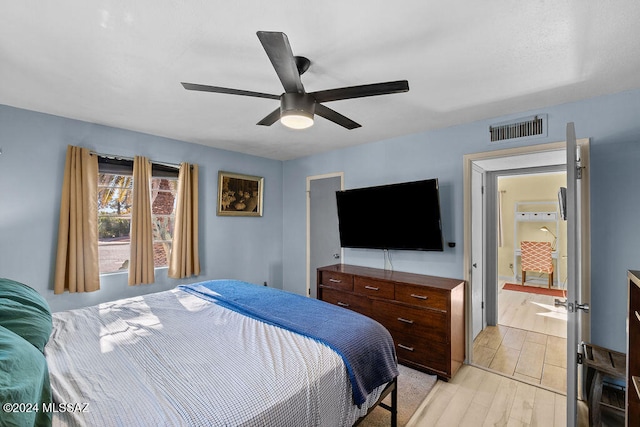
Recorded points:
(392,388)
(394,405)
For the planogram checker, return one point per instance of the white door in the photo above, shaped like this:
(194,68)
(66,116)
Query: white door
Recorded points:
(477,251)
(577,307)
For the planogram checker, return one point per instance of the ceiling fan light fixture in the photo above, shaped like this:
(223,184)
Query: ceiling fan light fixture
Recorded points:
(297,120)
(296,110)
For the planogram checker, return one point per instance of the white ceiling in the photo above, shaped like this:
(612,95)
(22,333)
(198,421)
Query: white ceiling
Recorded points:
(120,63)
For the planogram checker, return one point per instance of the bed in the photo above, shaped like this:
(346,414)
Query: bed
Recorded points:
(217,353)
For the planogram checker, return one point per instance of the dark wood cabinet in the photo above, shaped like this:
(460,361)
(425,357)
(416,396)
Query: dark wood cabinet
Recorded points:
(424,314)
(633,351)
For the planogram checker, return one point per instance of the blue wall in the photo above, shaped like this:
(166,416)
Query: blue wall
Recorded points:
(31,167)
(611,122)
(259,249)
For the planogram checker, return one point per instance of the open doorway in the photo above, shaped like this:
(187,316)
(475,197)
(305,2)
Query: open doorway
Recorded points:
(483,238)
(528,339)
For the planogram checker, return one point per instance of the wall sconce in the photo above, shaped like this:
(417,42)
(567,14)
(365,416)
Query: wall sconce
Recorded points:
(555,238)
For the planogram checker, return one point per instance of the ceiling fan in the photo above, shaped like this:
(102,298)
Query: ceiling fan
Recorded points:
(297,107)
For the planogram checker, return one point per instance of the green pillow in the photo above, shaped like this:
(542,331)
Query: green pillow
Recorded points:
(25,312)
(24,379)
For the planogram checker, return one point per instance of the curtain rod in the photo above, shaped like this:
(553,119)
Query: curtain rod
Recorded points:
(117,157)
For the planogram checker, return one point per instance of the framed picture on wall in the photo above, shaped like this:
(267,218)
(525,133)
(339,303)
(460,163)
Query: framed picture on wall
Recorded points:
(239,195)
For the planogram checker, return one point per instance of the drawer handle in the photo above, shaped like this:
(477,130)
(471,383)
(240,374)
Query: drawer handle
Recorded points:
(343,304)
(402,319)
(419,296)
(335,280)
(405,347)
(637,315)
(372,288)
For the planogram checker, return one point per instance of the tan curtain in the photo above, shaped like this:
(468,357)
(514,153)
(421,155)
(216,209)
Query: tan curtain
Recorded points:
(184,260)
(141,257)
(77,263)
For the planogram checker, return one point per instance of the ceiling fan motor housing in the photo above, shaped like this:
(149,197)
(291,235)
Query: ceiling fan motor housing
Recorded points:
(295,103)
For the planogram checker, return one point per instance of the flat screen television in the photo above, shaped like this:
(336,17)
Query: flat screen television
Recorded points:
(396,216)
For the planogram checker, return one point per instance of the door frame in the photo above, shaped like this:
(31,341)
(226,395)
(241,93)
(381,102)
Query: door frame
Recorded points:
(308,237)
(477,285)
(491,242)
(489,259)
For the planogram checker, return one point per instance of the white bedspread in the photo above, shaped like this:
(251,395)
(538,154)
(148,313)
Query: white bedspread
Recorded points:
(173,359)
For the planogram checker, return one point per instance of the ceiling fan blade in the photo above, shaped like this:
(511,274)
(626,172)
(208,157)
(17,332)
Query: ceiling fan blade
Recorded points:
(279,52)
(217,89)
(335,117)
(273,117)
(361,91)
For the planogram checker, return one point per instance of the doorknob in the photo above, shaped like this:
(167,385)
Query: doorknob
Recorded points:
(584,307)
(560,303)
(571,306)
(336,256)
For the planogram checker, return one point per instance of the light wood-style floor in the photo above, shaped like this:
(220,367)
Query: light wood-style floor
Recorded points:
(477,397)
(531,312)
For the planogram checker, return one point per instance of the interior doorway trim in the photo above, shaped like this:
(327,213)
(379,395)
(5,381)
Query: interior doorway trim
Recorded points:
(308,237)
(468,162)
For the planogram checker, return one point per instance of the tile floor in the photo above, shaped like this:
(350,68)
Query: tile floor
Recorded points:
(532,357)
(529,342)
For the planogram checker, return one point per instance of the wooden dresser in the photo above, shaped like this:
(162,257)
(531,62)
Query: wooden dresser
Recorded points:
(633,351)
(424,314)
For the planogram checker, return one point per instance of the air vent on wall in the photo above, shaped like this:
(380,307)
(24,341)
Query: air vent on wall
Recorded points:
(535,126)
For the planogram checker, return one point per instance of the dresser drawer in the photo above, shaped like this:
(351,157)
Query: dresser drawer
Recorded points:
(372,287)
(347,300)
(422,296)
(337,280)
(418,322)
(427,353)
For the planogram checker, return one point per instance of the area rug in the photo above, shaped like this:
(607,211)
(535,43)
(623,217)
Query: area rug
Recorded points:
(534,290)
(413,387)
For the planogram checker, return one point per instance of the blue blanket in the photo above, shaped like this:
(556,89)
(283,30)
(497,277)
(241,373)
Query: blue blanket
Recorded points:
(365,346)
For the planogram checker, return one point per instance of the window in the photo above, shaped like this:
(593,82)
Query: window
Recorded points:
(115,195)
(163,215)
